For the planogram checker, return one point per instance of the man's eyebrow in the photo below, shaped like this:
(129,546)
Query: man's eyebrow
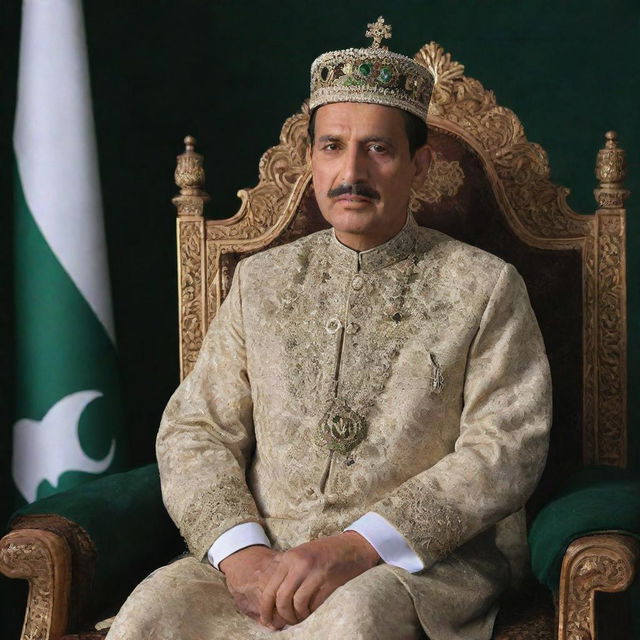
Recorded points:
(383,139)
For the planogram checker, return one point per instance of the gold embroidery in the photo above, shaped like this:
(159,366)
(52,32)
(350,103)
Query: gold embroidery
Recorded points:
(427,520)
(325,316)
(437,380)
(228,500)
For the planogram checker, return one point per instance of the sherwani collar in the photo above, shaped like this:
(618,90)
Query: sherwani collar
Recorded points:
(394,250)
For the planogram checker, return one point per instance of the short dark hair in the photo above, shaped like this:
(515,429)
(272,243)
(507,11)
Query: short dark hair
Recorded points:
(415,127)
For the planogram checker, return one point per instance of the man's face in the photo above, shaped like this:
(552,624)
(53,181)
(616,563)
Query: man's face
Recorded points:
(362,171)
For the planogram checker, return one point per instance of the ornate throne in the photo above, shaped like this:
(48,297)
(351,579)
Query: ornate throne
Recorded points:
(488,186)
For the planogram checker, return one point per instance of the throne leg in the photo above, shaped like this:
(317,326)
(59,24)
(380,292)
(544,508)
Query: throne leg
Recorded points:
(604,562)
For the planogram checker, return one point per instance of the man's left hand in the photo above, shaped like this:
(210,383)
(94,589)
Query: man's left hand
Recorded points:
(307,575)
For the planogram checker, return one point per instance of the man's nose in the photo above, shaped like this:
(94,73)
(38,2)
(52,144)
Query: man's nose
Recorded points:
(354,168)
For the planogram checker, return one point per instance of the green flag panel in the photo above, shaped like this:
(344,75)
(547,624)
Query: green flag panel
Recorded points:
(66,374)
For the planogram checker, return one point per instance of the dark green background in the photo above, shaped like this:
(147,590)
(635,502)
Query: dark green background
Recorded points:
(230,72)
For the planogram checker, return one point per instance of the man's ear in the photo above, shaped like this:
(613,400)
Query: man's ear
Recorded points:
(422,160)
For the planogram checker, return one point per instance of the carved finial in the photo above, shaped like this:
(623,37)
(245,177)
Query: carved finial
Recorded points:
(378,30)
(611,170)
(189,177)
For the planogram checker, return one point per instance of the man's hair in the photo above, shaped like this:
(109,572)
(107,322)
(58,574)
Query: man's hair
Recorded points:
(415,127)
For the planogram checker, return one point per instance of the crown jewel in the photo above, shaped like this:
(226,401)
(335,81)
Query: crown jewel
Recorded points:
(374,74)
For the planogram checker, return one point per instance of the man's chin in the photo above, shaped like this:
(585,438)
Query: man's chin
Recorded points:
(353,223)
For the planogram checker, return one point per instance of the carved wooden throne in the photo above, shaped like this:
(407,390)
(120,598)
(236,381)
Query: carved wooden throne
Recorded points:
(488,186)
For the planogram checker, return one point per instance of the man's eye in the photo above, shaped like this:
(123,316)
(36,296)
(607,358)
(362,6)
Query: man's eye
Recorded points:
(378,148)
(330,146)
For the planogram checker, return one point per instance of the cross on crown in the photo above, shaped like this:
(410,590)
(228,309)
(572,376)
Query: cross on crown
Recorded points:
(378,30)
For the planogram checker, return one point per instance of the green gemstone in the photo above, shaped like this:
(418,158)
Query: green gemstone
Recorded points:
(385,75)
(365,68)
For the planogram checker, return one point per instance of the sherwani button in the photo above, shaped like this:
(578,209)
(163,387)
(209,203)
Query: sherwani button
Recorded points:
(352,328)
(331,498)
(333,325)
(357,283)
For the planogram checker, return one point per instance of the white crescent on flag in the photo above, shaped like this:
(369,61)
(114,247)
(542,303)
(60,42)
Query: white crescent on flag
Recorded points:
(45,449)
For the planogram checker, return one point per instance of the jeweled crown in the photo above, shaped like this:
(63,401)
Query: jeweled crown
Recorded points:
(374,75)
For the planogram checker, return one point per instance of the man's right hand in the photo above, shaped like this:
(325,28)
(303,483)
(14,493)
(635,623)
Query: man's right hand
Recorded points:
(248,572)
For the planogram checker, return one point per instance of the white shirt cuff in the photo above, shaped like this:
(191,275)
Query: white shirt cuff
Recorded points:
(390,544)
(239,537)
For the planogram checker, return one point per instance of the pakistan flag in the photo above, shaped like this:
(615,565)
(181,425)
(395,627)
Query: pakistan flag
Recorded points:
(68,425)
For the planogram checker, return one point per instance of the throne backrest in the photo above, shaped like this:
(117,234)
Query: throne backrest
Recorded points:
(488,186)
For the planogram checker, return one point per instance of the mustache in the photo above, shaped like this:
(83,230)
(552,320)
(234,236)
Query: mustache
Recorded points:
(355,189)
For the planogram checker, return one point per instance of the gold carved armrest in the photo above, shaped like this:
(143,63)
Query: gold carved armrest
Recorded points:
(602,562)
(57,558)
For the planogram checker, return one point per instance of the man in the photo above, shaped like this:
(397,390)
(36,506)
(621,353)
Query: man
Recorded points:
(369,412)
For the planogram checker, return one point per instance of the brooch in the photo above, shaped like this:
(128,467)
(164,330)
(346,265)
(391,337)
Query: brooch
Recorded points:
(341,429)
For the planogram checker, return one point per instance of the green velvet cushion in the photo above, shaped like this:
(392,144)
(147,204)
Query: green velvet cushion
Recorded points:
(595,499)
(126,519)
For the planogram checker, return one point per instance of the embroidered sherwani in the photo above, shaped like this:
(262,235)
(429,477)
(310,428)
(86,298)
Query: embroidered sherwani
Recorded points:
(409,380)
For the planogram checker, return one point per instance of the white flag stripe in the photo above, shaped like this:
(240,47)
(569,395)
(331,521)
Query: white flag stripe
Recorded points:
(55,146)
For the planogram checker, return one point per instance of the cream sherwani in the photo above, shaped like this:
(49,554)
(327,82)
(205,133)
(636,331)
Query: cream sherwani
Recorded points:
(409,380)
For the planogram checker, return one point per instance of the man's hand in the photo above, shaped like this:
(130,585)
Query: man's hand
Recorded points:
(305,576)
(247,572)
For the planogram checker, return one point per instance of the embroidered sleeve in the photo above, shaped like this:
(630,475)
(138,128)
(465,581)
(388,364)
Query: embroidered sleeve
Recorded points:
(206,436)
(504,427)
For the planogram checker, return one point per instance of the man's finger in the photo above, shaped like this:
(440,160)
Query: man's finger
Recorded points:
(278,622)
(304,595)
(284,596)
(268,599)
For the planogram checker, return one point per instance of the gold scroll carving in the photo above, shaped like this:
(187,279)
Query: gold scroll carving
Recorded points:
(612,345)
(44,559)
(191,283)
(444,178)
(604,562)
(190,177)
(496,133)
(266,211)
(611,170)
